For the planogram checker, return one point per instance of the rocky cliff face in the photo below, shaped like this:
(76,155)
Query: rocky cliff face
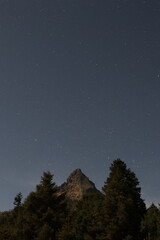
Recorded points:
(77,185)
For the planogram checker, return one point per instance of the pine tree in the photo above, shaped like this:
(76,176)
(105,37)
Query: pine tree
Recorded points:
(88,220)
(44,210)
(123,206)
(18,200)
(151,223)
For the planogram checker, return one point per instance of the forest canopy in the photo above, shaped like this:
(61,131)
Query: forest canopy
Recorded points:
(117,213)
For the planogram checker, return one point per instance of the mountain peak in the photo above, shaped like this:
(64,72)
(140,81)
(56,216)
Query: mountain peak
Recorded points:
(77,176)
(77,185)
(77,171)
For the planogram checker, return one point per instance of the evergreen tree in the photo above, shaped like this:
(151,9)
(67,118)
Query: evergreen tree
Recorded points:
(123,206)
(7,226)
(151,223)
(43,211)
(88,220)
(18,200)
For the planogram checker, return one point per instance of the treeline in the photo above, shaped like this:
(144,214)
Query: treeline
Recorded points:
(119,213)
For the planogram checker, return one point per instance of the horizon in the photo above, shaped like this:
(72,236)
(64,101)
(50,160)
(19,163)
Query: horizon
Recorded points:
(148,204)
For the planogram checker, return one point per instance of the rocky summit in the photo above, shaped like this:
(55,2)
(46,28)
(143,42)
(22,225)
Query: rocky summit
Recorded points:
(77,185)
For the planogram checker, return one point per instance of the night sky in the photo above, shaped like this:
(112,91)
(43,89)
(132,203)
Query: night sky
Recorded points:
(79,87)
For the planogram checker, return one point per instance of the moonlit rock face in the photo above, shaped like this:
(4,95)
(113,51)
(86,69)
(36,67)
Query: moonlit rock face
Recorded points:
(77,185)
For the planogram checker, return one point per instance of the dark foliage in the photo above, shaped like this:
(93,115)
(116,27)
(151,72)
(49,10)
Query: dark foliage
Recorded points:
(123,206)
(117,214)
(150,226)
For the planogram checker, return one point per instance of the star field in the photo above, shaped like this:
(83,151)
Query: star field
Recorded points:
(79,87)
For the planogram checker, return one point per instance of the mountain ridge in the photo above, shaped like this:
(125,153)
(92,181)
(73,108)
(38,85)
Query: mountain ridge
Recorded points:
(77,185)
